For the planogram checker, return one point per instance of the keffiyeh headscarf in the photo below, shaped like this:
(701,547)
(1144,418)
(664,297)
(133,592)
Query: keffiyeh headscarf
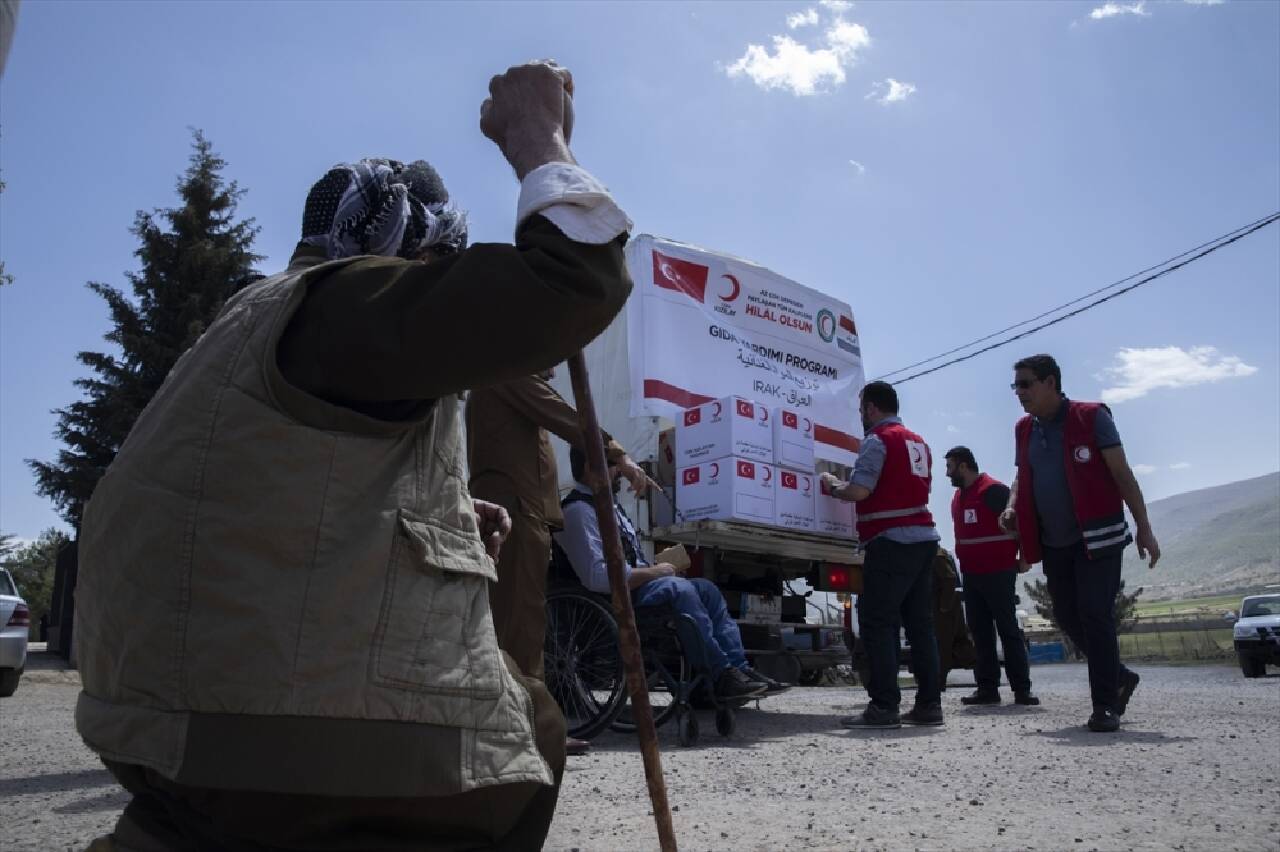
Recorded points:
(382,207)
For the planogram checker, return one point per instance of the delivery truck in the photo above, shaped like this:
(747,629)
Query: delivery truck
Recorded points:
(735,387)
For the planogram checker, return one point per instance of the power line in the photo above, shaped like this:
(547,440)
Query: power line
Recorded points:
(1183,259)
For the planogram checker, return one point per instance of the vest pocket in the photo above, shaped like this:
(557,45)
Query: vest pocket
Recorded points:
(435,634)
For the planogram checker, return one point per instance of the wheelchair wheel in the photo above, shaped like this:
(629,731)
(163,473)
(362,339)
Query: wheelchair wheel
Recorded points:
(687,724)
(584,671)
(726,721)
(665,670)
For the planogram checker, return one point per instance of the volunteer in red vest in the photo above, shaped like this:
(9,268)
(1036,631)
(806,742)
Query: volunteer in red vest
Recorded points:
(989,564)
(1067,507)
(890,484)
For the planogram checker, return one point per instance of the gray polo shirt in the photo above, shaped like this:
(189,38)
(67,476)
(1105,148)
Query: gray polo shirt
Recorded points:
(866,472)
(1045,454)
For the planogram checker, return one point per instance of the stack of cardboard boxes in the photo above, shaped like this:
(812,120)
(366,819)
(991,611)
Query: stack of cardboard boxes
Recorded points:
(734,459)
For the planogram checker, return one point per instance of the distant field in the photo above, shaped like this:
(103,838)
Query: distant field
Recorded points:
(1216,605)
(1182,645)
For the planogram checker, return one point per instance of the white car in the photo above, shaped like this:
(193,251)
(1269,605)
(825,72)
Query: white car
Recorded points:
(1257,634)
(15,624)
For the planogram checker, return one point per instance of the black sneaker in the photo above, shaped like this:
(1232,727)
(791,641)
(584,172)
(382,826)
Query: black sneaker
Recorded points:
(1128,683)
(734,684)
(981,697)
(1104,721)
(873,717)
(772,687)
(929,716)
(1026,699)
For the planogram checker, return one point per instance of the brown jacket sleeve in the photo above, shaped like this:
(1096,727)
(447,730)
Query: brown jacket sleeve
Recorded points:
(387,330)
(542,405)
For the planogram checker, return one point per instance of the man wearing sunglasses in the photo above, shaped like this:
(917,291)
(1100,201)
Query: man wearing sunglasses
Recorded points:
(1067,506)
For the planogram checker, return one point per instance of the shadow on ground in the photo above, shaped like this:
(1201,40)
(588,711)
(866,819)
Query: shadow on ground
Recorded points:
(57,782)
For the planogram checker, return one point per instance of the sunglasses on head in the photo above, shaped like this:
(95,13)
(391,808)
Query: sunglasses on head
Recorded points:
(1022,384)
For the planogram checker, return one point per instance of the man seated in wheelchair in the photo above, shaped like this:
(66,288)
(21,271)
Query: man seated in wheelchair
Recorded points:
(657,585)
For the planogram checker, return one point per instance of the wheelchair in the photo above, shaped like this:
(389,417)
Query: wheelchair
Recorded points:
(584,671)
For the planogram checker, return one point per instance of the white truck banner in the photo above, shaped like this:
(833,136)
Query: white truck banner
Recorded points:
(703,326)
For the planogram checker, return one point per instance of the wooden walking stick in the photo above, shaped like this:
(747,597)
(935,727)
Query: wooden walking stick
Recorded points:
(627,634)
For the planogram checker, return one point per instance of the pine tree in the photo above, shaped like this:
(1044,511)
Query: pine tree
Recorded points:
(193,258)
(1125,608)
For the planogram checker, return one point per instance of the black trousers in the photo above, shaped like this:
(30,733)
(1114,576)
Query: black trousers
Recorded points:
(990,607)
(1084,599)
(897,591)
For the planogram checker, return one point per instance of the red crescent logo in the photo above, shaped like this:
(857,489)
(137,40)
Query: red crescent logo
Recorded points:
(808,484)
(764,414)
(768,475)
(717,406)
(715,469)
(917,457)
(808,425)
(737,288)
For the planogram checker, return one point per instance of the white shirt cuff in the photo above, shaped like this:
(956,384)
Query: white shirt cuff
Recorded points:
(575,202)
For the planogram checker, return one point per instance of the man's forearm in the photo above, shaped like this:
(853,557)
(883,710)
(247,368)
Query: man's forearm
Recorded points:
(1131,493)
(386,329)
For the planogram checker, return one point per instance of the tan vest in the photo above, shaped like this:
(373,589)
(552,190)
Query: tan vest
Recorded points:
(284,595)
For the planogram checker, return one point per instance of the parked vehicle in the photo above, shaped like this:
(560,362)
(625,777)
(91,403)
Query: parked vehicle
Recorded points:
(15,625)
(1257,634)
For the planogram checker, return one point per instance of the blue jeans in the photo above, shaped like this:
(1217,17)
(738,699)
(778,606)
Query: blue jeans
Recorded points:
(702,601)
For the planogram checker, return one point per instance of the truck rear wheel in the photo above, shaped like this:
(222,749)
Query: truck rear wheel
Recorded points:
(9,681)
(1252,666)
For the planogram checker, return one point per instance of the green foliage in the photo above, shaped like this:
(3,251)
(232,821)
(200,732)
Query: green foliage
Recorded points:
(1125,606)
(32,567)
(193,258)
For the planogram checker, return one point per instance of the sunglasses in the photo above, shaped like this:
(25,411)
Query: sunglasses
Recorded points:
(1022,384)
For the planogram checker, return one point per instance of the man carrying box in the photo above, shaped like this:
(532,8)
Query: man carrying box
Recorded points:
(891,483)
(657,585)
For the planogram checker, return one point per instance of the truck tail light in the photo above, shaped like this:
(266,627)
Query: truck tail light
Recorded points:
(837,577)
(21,617)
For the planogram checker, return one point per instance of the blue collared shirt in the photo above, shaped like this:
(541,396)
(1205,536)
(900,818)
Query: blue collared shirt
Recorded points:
(581,542)
(866,472)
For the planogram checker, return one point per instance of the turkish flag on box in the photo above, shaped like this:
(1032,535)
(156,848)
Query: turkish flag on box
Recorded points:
(722,428)
(794,500)
(792,439)
(727,489)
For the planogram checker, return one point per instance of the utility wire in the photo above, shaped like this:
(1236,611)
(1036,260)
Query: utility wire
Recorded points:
(1183,259)
(1230,234)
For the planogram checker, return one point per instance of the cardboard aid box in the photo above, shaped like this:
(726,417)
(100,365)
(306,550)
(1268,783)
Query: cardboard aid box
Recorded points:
(792,440)
(794,500)
(726,489)
(833,515)
(732,426)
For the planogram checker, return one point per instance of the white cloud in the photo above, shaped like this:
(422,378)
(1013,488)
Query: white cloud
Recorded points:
(1180,466)
(1144,469)
(862,170)
(1137,372)
(836,6)
(801,68)
(1204,2)
(807,18)
(889,91)
(1111,10)
(952,429)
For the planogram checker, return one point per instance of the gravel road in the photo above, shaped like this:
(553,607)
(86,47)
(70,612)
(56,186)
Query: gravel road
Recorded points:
(1194,767)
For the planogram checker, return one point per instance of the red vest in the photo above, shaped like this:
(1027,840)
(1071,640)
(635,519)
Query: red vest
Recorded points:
(981,546)
(901,495)
(1098,506)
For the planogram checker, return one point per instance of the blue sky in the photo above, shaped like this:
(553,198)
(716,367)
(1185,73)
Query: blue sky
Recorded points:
(946,168)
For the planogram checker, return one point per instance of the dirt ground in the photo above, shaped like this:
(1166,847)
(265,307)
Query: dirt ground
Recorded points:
(1193,768)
